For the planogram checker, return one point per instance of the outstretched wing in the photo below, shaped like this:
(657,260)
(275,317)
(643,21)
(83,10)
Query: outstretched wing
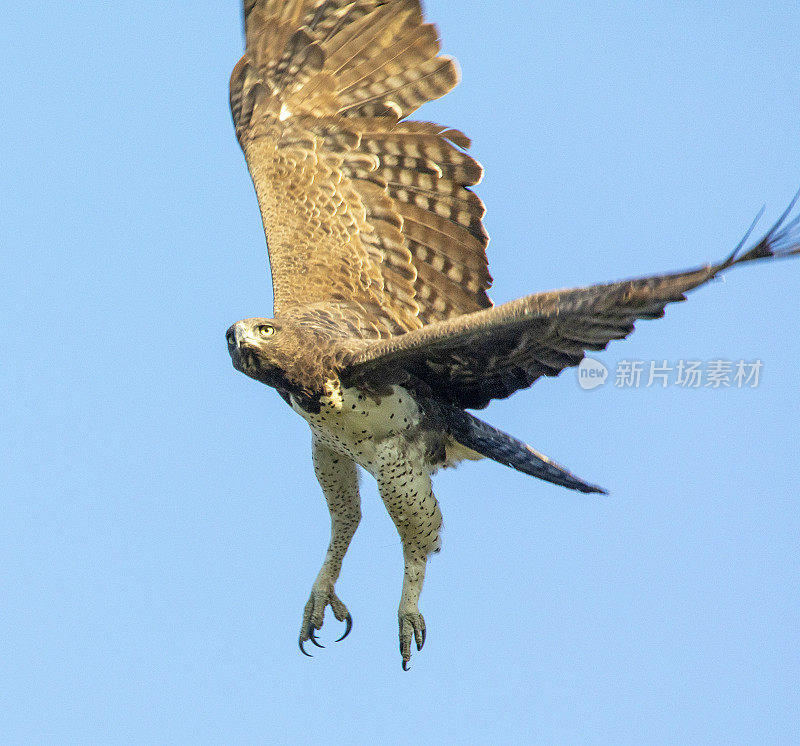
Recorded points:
(360,207)
(491,354)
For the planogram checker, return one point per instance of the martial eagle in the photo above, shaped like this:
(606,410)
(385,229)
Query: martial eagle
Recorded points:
(383,334)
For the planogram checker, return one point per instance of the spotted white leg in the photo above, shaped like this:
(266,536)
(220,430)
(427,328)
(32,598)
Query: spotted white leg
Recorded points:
(405,487)
(338,477)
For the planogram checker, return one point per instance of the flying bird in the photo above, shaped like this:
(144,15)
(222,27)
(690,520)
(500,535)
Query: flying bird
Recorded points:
(383,334)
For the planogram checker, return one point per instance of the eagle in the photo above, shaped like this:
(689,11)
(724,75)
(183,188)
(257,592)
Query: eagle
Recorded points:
(383,335)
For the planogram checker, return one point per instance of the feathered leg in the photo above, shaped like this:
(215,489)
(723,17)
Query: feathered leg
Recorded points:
(405,487)
(338,478)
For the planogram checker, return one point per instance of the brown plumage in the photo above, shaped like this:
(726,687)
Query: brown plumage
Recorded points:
(358,206)
(383,332)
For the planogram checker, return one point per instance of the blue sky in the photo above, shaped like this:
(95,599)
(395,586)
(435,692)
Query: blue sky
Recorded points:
(161,522)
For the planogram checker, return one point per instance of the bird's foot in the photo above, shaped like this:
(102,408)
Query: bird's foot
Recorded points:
(314,613)
(412,625)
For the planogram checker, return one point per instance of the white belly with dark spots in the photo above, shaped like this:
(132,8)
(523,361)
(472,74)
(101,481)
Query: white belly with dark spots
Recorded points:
(361,423)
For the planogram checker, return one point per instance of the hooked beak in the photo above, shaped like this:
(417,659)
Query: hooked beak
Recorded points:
(243,353)
(247,358)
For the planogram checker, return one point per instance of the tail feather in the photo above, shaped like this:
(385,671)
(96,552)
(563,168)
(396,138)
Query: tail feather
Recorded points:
(481,437)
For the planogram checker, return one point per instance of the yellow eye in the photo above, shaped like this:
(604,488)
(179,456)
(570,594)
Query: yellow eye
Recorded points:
(231,339)
(265,330)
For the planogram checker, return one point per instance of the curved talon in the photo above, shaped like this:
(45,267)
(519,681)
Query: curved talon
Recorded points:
(405,666)
(349,621)
(419,645)
(321,597)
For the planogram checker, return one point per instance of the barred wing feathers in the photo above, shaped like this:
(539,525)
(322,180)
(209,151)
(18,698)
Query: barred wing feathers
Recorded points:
(492,353)
(359,205)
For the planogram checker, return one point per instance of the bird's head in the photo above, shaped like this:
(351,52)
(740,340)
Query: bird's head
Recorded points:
(297,356)
(262,349)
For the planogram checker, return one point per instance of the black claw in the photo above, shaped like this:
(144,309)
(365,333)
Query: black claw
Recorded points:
(419,646)
(405,665)
(302,649)
(349,621)
(313,639)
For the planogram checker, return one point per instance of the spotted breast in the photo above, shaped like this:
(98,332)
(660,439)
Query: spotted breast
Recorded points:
(354,423)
